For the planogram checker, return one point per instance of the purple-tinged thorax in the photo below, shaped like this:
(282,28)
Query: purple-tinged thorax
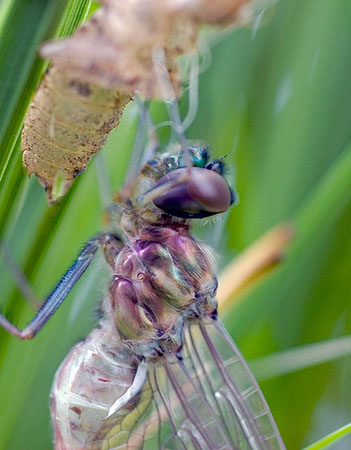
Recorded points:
(161,277)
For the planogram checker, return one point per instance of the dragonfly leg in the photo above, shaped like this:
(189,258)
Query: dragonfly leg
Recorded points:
(168,93)
(145,136)
(110,244)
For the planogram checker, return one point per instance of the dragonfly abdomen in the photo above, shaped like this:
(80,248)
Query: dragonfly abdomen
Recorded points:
(95,373)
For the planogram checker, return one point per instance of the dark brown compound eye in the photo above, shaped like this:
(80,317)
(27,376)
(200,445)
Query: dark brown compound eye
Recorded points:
(203,194)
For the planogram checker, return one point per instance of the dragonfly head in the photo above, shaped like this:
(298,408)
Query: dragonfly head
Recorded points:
(195,192)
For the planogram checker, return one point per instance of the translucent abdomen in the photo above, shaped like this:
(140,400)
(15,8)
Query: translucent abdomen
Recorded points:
(95,373)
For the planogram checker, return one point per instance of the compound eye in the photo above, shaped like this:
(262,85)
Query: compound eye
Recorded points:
(217,166)
(203,194)
(199,155)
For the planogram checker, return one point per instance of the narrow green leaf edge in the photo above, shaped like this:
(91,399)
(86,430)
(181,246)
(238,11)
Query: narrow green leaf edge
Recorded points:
(331,438)
(299,358)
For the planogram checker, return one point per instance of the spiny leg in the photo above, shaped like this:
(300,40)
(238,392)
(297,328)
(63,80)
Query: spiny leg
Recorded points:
(171,101)
(168,93)
(144,149)
(152,144)
(146,124)
(136,160)
(110,244)
(146,132)
(193,93)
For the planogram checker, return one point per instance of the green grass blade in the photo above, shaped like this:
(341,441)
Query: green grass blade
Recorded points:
(25,25)
(299,358)
(323,206)
(331,439)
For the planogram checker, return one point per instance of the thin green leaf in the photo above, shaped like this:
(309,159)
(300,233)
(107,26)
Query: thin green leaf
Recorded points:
(323,206)
(299,358)
(331,439)
(21,69)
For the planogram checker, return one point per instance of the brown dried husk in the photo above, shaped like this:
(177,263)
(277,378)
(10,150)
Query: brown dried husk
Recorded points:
(95,72)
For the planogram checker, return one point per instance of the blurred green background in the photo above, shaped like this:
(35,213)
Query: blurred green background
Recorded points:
(277,98)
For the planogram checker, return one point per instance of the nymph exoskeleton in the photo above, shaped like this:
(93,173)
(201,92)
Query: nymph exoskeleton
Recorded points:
(97,71)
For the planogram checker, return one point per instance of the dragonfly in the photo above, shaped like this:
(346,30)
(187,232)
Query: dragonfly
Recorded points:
(159,371)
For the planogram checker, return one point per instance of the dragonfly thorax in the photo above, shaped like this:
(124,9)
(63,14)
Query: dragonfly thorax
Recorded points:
(161,276)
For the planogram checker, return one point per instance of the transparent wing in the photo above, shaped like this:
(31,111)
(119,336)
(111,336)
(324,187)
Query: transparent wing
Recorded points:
(210,400)
(177,417)
(228,385)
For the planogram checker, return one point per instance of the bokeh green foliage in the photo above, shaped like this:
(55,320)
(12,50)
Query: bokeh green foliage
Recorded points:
(279,97)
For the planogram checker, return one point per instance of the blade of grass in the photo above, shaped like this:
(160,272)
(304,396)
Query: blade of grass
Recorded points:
(300,358)
(323,206)
(64,22)
(21,68)
(331,438)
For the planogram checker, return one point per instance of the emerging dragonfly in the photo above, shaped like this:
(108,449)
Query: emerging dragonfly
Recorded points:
(159,371)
